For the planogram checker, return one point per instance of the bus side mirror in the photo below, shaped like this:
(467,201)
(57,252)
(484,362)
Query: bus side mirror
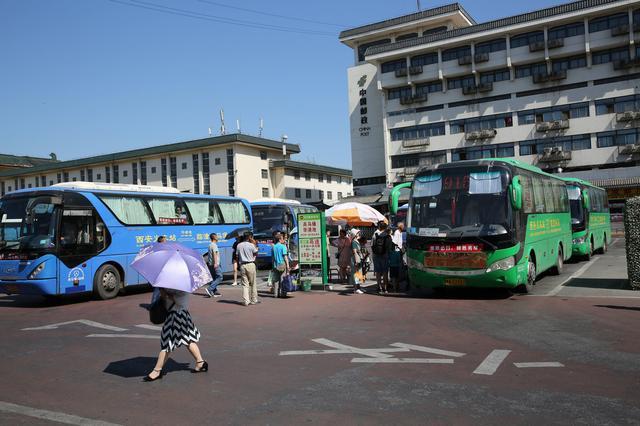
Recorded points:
(586,200)
(515,193)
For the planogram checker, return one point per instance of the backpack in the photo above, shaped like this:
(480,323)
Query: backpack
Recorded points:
(379,245)
(158,312)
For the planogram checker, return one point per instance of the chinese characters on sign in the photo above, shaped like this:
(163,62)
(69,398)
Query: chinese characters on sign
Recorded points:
(364,120)
(310,237)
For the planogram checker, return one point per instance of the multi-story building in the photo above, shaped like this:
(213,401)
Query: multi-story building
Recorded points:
(20,162)
(235,164)
(557,88)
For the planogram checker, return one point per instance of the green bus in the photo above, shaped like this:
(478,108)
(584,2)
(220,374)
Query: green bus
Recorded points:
(485,223)
(590,218)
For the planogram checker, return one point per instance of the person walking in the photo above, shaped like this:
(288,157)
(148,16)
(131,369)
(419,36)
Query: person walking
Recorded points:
(395,257)
(213,262)
(355,278)
(234,259)
(156,291)
(247,252)
(178,330)
(280,266)
(343,244)
(380,248)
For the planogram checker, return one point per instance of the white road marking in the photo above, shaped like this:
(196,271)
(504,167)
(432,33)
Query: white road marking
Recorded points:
(126,336)
(149,327)
(403,360)
(537,364)
(81,321)
(428,350)
(353,349)
(576,274)
(53,416)
(340,351)
(492,362)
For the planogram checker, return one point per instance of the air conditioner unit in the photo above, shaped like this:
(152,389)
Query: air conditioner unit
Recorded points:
(547,151)
(559,124)
(415,143)
(620,30)
(473,136)
(536,46)
(416,69)
(542,127)
(558,75)
(469,90)
(629,149)
(464,60)
(488,133)
(556,150)
(621,64)
(401,72)
(419,98)
(540,77)
(481,57)
(485,87)
(555,43)
(624,117)
(406,100)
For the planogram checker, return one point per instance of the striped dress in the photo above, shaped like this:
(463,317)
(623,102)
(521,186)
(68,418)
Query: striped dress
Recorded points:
(178,329)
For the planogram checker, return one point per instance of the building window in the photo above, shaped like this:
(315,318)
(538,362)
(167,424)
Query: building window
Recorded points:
(90,175)
(107,174)
(217,161)
(460,82)
(125,173)
(569,143)
(265,192)
(526,39)
(196,174)
(307,194)
(620,137)
(329,180)
(531,69)
(363,47)
(495,76)
(43,180)
(407,36)
(615,105)
(430,87)
(607,22)
(399,92)
(610,55)
(264,173)
(58,178)
(407,160)
(307,176)
(98,177)
(116,173)
(491,46)
(320,177)
(263,155)
(154,170)
(392,66)
(143,172)
(456,53)
(296,174)
(339,195)
(82,175)
(321,194)
(339,179)
(184,166)
(485,123)
(65,176)
(417,132)
(134,173)
(564,112)
(297,192)
(488,151)
(231,173)
(564,31)
(2,188)
(163,171)
(173,171)
(22,183)
(206,178)
(572,62)
(422,60)
(436,30)
(329,195)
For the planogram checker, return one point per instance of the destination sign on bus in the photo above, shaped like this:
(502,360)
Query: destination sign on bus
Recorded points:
(456,248)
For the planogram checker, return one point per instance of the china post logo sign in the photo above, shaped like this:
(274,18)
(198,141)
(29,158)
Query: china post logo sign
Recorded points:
(364,120)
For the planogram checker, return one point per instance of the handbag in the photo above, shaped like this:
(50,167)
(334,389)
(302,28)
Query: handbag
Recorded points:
(287,284)
(158,311)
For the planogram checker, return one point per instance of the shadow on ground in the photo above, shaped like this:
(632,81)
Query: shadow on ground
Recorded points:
(141,366)
(626,308)
(602,283)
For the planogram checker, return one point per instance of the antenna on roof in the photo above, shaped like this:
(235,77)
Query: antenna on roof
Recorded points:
(238,126)
(222,129)
(261,127)
(209,131)
(284,145)
(419,8)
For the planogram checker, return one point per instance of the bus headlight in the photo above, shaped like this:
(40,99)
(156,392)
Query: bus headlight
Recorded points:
(502,265)
(36,271)
(580,240)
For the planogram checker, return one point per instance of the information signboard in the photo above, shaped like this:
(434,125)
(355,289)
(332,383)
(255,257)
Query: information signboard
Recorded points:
(312,242)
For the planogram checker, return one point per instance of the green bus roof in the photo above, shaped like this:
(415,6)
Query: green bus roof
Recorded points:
(507,161)
(581,182)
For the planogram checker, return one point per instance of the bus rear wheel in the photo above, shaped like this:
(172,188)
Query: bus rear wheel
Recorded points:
(107,282)
(557,270)
(589,254)
(604,247)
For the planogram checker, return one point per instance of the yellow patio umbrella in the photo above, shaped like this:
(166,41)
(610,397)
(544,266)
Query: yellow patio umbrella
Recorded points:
(353,214)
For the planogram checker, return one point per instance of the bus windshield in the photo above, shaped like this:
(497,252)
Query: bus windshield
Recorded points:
(575,201)
(460,203)
(27,224)
(268,219)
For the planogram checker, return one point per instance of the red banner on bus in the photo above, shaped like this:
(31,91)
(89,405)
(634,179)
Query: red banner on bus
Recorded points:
(456,248)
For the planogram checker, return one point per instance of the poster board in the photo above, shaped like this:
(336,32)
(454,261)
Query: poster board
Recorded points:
(312,247)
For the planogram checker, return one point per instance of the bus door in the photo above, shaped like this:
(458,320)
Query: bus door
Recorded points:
(80,239)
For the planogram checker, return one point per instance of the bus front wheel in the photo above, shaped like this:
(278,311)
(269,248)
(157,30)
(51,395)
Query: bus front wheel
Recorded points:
(106,282)
(527,287)
(604,247)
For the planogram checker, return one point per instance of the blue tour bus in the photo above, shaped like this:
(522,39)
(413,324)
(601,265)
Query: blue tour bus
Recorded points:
(274,215)
(82,237)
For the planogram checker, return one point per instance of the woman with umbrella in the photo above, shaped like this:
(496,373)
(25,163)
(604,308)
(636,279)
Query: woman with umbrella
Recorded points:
(177,271)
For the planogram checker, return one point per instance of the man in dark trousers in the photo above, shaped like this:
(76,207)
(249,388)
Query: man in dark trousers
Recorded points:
(213,261)
(380,248)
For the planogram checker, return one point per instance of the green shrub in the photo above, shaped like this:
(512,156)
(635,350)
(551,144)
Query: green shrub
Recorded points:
(632,237)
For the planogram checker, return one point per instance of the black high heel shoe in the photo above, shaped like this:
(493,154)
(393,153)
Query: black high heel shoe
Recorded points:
(203,368)
(151,379)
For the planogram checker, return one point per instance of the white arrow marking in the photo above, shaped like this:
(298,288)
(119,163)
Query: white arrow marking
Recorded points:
(428,350)
(149,327)
(126,336)
(492,362)
(81,321)
(537,364)
(404,360)
(352,349)
(340,351)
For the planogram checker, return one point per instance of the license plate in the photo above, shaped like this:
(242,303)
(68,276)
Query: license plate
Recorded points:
(454,282)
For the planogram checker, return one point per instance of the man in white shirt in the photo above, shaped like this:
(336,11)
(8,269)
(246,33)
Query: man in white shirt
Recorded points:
(397,236)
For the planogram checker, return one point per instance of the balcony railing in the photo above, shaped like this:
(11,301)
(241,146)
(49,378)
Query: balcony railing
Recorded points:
(469,90)
(624,64)
(401,72)
(485,87)
(544,77)
(627,116)
(412,144)
(480,135)
(536,46)
(464,60)
(541,77)
(548,126)
(554,155)
(418,98)
(555,43)
(415,70)
(481,57)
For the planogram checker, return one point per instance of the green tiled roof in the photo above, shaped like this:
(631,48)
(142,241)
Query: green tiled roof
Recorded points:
(23,161)
(289,164)
(491,25)
(449,8)
(155,150)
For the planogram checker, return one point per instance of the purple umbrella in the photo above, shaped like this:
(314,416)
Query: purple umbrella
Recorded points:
(172,265)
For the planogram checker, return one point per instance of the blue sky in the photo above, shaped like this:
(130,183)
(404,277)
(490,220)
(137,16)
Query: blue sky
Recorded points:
(87,77)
